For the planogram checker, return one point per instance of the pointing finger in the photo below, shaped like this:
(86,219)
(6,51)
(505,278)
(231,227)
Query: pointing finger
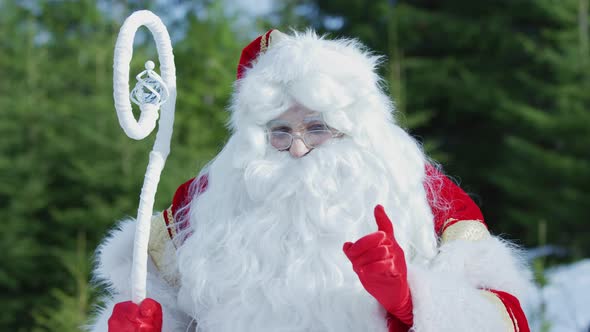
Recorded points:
(383,222)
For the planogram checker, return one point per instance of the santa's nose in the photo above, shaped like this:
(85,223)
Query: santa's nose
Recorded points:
(298,148)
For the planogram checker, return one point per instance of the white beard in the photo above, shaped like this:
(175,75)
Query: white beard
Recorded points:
(265,252)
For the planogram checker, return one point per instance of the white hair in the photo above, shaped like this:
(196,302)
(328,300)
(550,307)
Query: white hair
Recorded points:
(265,251)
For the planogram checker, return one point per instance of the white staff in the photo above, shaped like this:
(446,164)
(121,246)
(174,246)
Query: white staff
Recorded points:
(150,93)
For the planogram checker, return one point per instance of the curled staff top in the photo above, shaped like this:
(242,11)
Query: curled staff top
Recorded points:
(151,93)
(123,54)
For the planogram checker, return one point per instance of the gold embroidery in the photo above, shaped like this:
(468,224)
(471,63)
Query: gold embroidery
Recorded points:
(266,40)
(159,249)
(448,221)
(472,230)
(503,310)
(158,238)
(263,44)
(171,223)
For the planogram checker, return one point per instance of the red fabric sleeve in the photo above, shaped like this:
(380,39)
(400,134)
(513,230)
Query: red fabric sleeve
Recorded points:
(395,325)
(448,201)
(514,310)
(182,197)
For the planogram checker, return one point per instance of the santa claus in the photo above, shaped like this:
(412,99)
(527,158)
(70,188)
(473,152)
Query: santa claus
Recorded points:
(319,214)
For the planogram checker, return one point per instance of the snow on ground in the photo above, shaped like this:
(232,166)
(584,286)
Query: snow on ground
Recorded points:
(564,303)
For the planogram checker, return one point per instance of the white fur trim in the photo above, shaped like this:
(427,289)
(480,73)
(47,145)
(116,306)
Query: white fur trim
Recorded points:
(447,295)
(114,257)
(446,302)
(274,37)
(487,263)
(113,272)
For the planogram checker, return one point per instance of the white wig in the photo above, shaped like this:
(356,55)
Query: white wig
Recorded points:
(337,78)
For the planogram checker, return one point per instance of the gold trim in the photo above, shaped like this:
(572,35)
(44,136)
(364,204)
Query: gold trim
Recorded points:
(514,321)
(159,249)
(171,222)
(448,221)
(471,230)
(263,44)
(506,315)
(158,238)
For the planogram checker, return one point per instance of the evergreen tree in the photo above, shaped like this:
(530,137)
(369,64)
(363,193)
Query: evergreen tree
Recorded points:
(68,170)
(545,173)
(497,91)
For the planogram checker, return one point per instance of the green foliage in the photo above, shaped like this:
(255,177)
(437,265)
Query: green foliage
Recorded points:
(67,168)
(74,298)
(498,92)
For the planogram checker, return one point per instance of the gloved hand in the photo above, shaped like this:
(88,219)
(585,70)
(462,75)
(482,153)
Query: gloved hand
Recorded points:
(379,262)
(130,317)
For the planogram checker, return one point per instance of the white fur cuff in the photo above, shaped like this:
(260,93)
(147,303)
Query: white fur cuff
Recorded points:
(487,263)
(446,302)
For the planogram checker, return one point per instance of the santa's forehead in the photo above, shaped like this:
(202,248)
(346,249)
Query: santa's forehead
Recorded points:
(296,114)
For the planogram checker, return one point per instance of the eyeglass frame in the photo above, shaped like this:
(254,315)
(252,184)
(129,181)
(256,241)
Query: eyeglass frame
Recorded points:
(333,134)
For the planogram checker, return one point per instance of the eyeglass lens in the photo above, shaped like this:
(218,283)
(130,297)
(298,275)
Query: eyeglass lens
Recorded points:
(283,140)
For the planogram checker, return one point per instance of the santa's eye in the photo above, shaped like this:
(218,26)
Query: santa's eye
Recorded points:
(281,129)
(317,126)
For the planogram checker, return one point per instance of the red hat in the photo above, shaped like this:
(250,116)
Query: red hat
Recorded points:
(256,47)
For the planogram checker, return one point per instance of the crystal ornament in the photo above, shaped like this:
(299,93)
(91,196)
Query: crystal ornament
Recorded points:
(150,88)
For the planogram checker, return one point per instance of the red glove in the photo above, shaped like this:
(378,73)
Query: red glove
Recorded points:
(130,317)
(380,264)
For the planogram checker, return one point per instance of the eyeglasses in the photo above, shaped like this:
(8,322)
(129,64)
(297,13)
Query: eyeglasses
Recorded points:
(283,140)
